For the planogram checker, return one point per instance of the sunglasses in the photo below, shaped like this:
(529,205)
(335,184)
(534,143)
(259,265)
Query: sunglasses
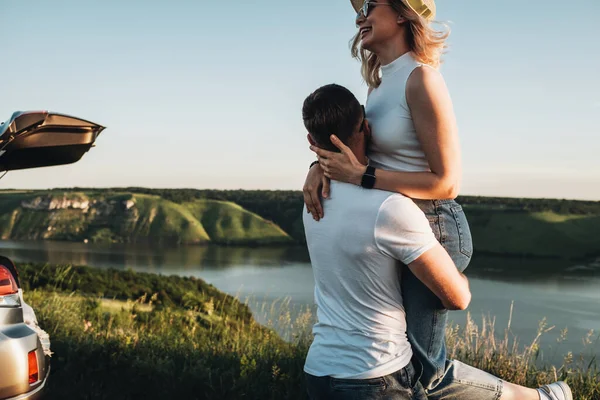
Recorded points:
(368,6)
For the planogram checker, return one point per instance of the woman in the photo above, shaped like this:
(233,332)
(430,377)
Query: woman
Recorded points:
(414,150)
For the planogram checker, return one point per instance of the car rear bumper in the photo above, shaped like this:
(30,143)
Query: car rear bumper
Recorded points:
(34,394)
(16,342)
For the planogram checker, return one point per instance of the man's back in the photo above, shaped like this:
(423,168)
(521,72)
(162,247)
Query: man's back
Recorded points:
(361,329)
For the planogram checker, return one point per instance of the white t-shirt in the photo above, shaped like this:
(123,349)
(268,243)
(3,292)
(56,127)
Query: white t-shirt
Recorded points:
(354,251)
(394,145)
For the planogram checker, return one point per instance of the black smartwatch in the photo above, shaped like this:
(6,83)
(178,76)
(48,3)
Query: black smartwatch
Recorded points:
(368,178)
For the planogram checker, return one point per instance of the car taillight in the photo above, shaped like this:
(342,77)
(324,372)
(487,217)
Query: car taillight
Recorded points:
(9,291)
(33,367)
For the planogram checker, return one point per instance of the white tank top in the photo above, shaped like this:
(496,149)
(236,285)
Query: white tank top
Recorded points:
(394,145)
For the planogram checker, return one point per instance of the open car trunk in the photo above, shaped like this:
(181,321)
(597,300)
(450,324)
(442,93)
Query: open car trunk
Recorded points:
(41,139)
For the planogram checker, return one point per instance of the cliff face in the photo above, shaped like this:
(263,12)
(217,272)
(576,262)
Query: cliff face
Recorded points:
(49,203)
(126,217)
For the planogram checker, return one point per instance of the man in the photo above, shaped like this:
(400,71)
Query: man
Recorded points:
(360,338)
(360,348)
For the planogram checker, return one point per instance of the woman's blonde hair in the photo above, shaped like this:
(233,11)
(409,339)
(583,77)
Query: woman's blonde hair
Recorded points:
(426,44)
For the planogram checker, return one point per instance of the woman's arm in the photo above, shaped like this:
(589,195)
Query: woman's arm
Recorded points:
(433,117)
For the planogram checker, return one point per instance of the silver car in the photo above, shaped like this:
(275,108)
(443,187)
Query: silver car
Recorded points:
(31,140)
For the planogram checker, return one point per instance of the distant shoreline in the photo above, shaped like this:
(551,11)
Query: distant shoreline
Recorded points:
(581,258)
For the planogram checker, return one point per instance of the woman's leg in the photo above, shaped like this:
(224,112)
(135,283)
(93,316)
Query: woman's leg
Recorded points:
(426,321)
(426,317)
(464,382)
(555,391)
(515,392)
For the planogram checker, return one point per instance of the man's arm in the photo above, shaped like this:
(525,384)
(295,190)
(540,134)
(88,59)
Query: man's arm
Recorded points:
(403,233)
(437,271)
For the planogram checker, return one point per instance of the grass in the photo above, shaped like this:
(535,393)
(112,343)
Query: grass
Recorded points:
(143,348)
(505,357)
(116,336)
(115,306)
(167,353)
(166,291)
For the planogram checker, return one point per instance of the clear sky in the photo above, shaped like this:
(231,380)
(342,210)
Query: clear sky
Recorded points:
(208,94)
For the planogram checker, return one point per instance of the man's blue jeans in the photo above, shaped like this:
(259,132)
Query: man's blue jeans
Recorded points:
(400,385)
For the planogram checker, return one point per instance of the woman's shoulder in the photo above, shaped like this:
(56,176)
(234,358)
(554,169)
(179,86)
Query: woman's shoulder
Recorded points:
(423,73)
(410,71)
(425,78)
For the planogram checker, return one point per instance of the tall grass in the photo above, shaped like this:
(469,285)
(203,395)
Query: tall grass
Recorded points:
(479,345)
(148,350)
(161,354)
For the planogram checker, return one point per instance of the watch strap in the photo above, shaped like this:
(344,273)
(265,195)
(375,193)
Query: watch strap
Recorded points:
(368,178)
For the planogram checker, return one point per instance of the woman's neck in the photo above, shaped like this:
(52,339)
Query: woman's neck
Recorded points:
(392,50)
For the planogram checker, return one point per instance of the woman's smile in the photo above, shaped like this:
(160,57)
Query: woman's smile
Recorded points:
(364,31)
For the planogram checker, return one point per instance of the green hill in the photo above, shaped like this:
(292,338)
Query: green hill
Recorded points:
(227,222)
(129,217)
(503,226)
(544,233)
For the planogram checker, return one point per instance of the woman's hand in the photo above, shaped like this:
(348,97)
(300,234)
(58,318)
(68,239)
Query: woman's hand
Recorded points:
(316,184)
(344,166)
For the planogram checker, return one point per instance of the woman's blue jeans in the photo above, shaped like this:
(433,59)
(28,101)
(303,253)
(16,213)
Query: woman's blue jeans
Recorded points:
(426,317)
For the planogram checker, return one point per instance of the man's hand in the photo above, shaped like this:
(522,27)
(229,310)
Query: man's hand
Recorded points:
(316,184)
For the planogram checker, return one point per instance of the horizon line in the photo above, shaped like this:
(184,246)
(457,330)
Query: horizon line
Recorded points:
(272,190)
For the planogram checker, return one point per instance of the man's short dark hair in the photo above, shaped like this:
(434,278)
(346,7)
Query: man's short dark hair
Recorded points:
(331,110)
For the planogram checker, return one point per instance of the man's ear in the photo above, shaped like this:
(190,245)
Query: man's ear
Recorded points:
(400,20)
(367,130)
(311,140)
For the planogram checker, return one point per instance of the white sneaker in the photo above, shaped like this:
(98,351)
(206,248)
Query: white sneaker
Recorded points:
(555,391)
